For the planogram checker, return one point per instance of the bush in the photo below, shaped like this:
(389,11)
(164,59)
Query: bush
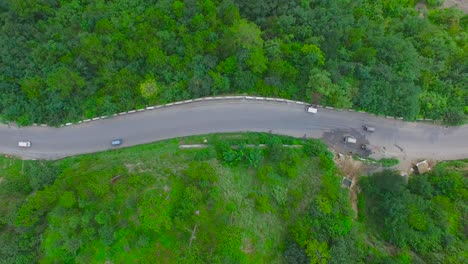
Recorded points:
(294,254)
(276,150)
(326,163)
(228,247)
(254,157)
(201,172)
(281,195)
(262,203)
(288,170)
(315,148)
(454,117)
(204,154)
(41,174)
(434,3)
(265,173)
(232,157)
(389,162)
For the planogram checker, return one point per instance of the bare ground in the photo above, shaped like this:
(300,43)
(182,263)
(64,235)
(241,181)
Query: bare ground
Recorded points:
(352,169)
(461,4)
(335,139)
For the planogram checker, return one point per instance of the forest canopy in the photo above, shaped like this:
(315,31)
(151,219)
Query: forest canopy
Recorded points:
(65,60)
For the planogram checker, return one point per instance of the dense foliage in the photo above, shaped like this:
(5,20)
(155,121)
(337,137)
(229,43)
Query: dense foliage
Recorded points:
(68,59)
(427,215)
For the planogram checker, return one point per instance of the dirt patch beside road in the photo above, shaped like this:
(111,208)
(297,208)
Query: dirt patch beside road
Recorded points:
(335,139)
(461,4)
(351,169)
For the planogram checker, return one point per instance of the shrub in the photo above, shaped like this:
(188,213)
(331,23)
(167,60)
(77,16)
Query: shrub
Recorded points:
(204,154)
(326,163)
(281,195)
(287,169)
(389,162)
(154,212)
(201,172)
(434,3)
(262,203)
(265,173)
(42,174)
(276,150)
(228,247)
(315,148)
(254,157)
(453,117)
(294,254)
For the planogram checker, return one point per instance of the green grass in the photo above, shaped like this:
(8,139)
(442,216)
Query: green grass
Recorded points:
(385,162)
(389,162)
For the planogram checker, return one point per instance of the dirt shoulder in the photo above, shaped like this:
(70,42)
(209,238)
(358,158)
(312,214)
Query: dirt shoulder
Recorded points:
(460,4)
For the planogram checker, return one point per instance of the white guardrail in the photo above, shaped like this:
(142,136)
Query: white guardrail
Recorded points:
(255,98)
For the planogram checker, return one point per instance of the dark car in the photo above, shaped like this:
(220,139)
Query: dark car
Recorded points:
(116,142)
(366,147)
(368,128)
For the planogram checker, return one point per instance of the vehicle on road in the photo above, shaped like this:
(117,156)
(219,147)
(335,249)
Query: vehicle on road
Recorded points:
(349,139)
(311,109)
(366,147)
(24,144)
(116,142)
(368,128)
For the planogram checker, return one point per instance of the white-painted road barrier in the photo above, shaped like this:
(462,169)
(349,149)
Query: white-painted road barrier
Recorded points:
(238,97)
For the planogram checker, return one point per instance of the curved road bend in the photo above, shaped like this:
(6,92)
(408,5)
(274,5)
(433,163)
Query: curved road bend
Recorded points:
(398,139)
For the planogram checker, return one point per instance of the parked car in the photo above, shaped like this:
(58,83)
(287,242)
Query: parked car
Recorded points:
(116,142)
(349,139)
(368,128)
(366,147)
(311,109)
(24,144)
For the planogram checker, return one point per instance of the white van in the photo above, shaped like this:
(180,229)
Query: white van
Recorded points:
(349,139)
(24,144)
(311,109)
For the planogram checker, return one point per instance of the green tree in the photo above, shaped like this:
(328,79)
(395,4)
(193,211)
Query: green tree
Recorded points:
(64,82)
(67,199)
(254,157)
(32,87)
(317,252)
(257,61)
(41,174)
(201,171)
(149,89)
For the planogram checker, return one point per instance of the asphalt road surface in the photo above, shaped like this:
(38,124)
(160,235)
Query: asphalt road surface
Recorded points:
(392,138)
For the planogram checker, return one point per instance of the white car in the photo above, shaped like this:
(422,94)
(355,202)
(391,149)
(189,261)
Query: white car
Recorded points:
(116,142)
(24,144)
(311,109)
(349,139)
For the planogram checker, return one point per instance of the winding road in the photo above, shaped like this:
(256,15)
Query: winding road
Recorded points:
(394,138)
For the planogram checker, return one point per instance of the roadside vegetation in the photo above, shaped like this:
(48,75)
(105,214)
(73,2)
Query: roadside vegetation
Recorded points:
(63,61)
(231,202)
(425,217)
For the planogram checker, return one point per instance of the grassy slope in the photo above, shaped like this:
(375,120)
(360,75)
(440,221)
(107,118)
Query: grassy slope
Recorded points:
(92,220)
(246,209)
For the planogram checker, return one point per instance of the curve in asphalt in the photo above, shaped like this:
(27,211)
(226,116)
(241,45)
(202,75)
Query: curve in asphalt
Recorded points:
(400,139)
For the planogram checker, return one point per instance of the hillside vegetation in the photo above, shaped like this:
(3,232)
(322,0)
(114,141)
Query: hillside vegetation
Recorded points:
(427,217)
(70,60)
(228,203)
